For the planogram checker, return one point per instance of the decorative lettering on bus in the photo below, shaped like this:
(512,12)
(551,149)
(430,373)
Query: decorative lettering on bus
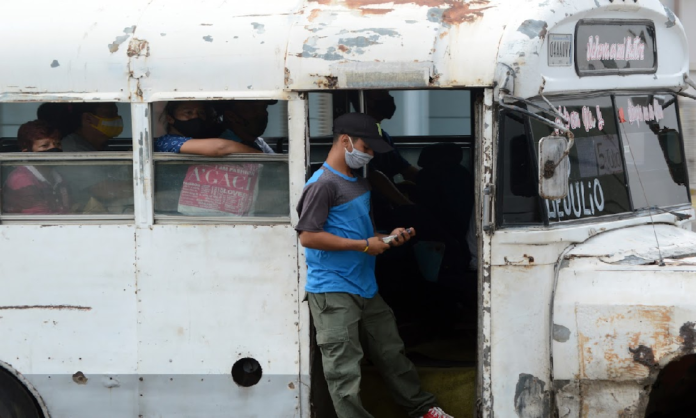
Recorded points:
(584,198)
(637,113)
(631,49)
(577,120)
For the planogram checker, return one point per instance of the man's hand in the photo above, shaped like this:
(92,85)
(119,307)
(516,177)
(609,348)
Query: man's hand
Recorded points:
(376,246)
(402,235)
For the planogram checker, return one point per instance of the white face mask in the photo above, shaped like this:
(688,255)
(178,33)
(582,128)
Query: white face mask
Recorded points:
(356,159)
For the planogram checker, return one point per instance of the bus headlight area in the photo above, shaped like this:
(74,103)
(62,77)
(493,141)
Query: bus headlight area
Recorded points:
(152,165)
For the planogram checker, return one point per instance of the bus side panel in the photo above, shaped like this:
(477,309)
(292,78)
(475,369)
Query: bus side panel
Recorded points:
(67,314)
(520,352)
(208,296)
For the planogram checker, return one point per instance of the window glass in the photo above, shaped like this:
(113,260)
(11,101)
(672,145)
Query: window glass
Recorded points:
(108,125)
(657,170)
(67,187)
(59,159)
(252,182)
(222,188)
(248,125)
(519,191)
(413,119)
(597,178)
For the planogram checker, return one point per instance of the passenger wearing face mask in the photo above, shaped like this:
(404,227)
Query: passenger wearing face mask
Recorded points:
(97,188)
(188,132)
(97,123)
(336,229)
(36,189)
(245,121)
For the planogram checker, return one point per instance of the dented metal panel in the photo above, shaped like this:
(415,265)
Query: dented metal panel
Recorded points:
(625,321)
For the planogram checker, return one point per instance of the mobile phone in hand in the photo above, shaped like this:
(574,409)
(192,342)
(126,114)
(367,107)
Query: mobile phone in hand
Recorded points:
(389,239)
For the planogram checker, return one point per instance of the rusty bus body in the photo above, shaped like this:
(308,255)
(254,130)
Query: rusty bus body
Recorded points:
(140,315)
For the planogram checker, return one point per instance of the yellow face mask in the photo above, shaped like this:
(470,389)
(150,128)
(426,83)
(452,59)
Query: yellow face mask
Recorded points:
(111,127)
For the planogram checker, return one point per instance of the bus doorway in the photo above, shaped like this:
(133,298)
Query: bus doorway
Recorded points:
(431,283)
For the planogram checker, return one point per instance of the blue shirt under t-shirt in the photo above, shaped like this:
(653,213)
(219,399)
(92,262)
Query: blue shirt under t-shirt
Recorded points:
(340,205)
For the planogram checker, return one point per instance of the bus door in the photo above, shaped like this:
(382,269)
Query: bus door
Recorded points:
(429,185)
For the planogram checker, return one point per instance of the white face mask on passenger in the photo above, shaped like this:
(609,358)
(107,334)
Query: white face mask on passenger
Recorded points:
(356,159)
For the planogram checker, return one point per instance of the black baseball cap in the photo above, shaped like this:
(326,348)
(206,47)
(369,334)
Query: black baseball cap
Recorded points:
(364,127)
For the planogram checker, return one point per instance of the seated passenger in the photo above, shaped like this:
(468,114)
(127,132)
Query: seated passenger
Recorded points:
(187,133)
(96,124)
(36,189)
(57,115)
(245,121)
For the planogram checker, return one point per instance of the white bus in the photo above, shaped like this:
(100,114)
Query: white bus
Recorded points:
(165,289)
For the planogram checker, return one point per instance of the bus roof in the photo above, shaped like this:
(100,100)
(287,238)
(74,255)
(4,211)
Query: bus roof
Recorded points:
(147,51)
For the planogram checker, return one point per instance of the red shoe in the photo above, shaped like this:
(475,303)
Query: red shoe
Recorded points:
(436,412)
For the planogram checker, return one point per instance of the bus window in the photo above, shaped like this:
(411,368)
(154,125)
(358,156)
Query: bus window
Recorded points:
(655,162)
(93,175)
(517,168)
(221,159)
(597,177)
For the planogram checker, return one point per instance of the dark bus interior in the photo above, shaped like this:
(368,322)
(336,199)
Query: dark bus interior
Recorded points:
(429,283)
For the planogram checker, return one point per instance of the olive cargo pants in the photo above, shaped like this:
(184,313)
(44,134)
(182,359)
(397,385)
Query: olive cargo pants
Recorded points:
(343,321)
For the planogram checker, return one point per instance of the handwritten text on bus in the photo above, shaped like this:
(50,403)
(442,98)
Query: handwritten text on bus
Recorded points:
(584,198)
(632,49)
(576,119)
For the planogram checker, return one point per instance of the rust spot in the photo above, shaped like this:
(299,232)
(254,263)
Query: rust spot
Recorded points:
(291,385)
(355,4)
(343,48)
(463,12)
(56,307)
(688,336)
(80,378)
(138,48)
(643,355)
(375,11)
(434,79)
(288,80)
(313,14)
(585,356)
(329,82)
(443,34)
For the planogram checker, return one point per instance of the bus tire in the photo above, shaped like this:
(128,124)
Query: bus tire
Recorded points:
(16,398)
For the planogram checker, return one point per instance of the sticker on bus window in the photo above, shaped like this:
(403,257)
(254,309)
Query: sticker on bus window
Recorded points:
(220,189)
(615,46)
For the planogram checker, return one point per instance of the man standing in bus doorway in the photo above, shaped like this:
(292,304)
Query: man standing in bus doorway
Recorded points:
(335,227)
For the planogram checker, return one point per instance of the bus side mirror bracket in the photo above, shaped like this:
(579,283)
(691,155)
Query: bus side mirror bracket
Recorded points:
(554,166)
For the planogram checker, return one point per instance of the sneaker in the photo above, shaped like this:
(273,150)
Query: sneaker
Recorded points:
(436,412)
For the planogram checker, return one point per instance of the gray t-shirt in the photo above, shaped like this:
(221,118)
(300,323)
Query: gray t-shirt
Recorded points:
(340,205)
(76,143)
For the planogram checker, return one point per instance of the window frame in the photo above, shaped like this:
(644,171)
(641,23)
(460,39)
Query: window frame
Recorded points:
(234,158)
(85,219)
(633,213)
